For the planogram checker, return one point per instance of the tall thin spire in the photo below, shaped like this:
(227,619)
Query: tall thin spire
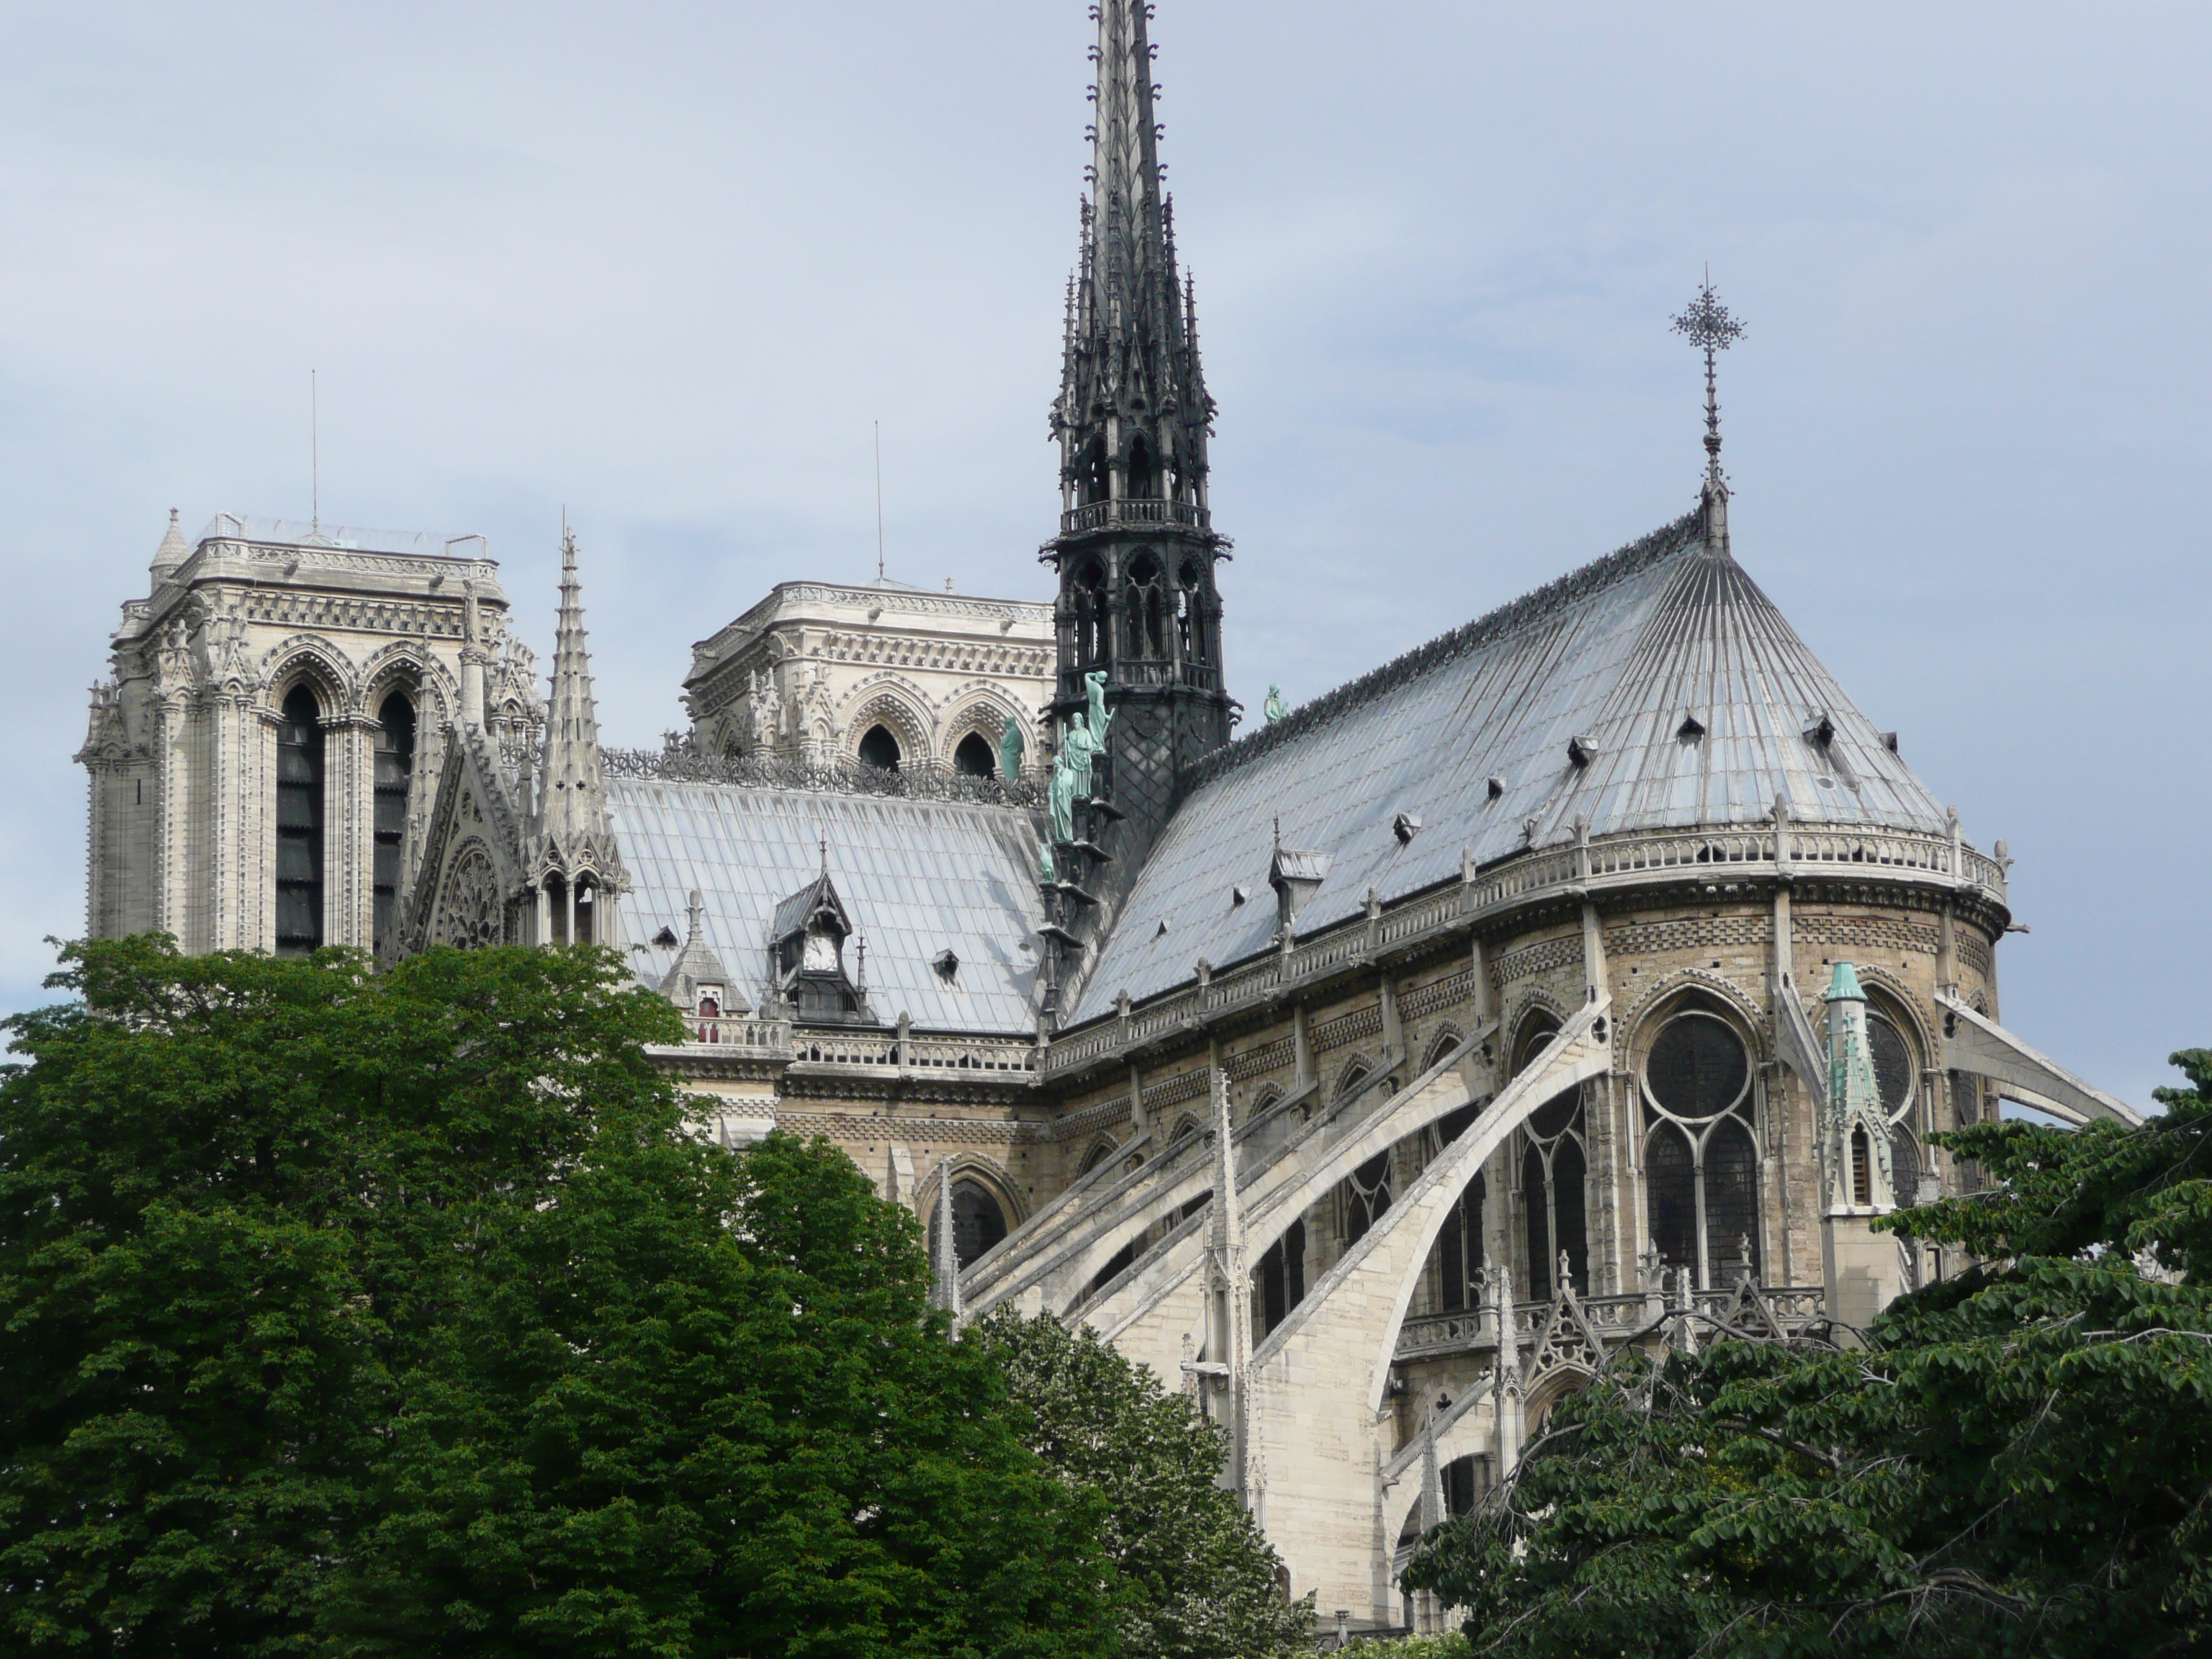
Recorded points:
(572,782)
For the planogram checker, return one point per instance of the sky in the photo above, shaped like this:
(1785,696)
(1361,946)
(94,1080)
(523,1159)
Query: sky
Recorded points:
(668,265)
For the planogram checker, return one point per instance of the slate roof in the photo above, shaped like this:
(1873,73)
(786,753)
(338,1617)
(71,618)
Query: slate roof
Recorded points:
(1617,654)
(917,878)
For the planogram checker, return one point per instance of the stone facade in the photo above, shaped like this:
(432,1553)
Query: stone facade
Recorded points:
(377,632)
(816,667)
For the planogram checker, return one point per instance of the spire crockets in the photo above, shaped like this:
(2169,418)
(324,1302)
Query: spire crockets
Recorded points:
(575,851)
(1136,549)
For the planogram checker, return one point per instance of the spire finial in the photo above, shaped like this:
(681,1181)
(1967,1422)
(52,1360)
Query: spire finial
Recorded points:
(1707,323)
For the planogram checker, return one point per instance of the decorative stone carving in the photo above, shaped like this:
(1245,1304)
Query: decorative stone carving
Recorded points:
(472,914)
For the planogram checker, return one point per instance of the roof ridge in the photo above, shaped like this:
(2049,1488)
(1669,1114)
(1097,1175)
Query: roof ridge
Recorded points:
(1507,619)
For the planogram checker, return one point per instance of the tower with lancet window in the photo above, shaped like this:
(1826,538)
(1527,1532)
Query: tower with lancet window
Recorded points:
(1136,552)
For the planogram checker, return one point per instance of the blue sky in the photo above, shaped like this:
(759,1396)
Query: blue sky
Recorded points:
(666,264)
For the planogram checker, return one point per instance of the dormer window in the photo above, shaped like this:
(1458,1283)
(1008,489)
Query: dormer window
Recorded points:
(824,952)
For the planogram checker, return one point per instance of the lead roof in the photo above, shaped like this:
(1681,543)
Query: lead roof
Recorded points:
(1616,655)
(916,876)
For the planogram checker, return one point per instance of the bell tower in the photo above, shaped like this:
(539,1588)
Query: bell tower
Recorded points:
(1136,551)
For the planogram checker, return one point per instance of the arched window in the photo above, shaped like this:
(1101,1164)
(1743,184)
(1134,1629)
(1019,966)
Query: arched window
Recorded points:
(880,748)
(1144,479)
(587,911)
(1190,615)
(394,771)
(1551,1199)
(1089,595)
(1348,1084)
(299,826)
(1148,608)
(1862,1170)
(1282,1276)
(1367,1196)
(974,756)
(978,1222)
(1701,1158)
(1459,1250)
(1096,1156)
(1897,1085)
(556,908)
(1091,473)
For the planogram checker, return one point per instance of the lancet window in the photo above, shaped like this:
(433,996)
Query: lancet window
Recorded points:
(979,1222)
(1282,1276)
(394,770)
(300,786)
(1088,596)
(1700,1156)
(1896,1083)
(1148,609)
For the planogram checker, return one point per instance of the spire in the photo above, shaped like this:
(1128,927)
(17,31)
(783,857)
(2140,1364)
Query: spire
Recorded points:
(1705,323)
(172,552)
(945,1252)
(1130,351)
(573,812)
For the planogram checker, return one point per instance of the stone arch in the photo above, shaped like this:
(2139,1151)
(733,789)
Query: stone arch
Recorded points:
(1101,1149)
(984,710)
(1263,1098)
(1521,1019)
(987,1173)
(1447,1037)
(378,676)
(900,709)
(1895,998)
(305,659)
(1465,1428)
(1658,1002)
(1548,1389)
(1350,1075)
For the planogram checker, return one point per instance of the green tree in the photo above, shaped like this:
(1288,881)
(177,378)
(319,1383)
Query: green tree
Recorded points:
(395,1312)
(1198,1580)
(2018,1461)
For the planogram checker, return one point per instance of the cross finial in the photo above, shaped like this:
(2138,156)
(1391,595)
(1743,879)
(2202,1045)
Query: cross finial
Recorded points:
(1707,323)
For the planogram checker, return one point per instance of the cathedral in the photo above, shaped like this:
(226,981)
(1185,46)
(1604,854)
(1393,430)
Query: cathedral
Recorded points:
(1592,970)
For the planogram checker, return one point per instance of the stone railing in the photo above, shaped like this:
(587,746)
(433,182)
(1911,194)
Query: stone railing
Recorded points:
(1562,872)
(1613,1317)
(1131,509)
(685,764)
(763,1037)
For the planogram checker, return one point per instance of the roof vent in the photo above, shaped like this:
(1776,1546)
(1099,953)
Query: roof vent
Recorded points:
(1889,742)
(1161,931)
(1690,729)
(1405,826)
(1581,752)
(667,939)
(1496,787)
(1237,895)
(947,965)
(1822,732)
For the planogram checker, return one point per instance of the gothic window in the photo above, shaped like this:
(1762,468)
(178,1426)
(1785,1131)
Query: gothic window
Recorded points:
(1090,605)
(1896,1083)
(1096,1156)
(1367,1196)
(1700,1159)
(588,931)
(299,826)
(1143,477)
(1148,609)
(471,914)
(394,768)
(978,1223)
(880,748)
(1190,619)
(1551,1198)
(1092,472)
(1459,1250)
(1282,1275)
(1349,1082)
(1458,1479)
(556,908)
(974,758)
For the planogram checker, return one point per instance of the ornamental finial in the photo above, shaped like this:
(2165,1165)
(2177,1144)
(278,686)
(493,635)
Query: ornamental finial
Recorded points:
(1707,323)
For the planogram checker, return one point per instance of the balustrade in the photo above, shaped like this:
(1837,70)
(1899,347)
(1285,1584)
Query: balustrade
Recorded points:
(1434,1335)
(1132,509)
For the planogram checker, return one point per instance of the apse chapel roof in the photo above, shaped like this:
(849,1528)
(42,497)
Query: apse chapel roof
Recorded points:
(918,877)
(1657,687)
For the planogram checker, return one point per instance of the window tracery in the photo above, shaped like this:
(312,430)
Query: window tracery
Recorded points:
(470,916)
(1701,1157)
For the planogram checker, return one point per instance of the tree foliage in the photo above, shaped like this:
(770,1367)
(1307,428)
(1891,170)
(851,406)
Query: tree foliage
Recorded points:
(1198,1580)
(396,1312)
(2018,1460)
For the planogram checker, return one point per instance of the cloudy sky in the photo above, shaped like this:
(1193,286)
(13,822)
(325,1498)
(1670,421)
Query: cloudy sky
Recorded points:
(666,264)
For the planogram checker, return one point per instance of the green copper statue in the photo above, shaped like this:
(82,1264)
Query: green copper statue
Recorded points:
(1275,707)
(1094,684)
(1009,751)
(1070,776)
(1046,874)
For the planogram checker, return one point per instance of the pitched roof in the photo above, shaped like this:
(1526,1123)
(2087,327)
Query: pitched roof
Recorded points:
(917,876)
(1687,698)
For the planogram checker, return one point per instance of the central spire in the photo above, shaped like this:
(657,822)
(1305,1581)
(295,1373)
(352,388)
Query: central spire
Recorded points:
(1140,697)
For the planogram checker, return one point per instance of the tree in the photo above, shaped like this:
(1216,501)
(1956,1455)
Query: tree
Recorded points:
(2017,1460)
(388,1312)
(1198,1579)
